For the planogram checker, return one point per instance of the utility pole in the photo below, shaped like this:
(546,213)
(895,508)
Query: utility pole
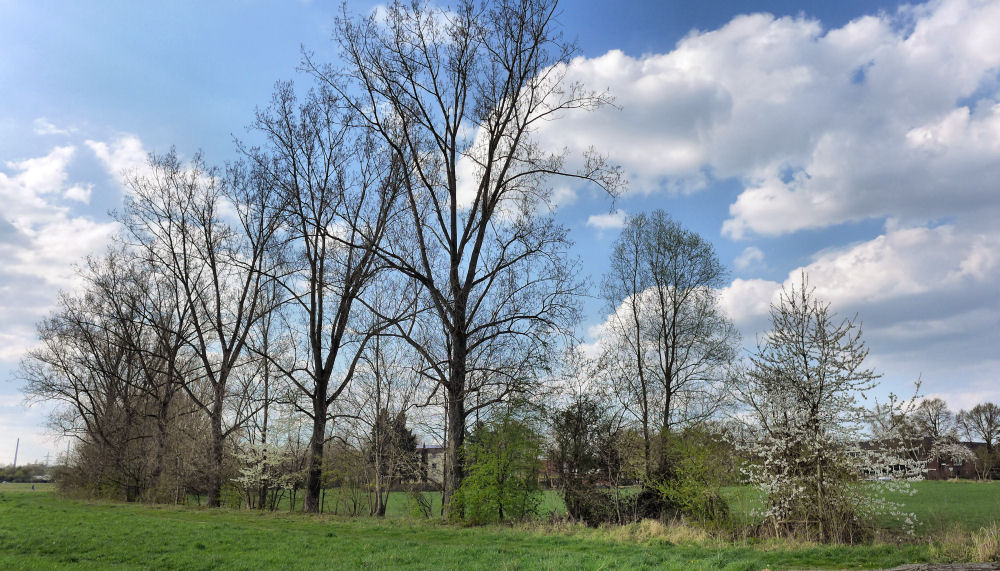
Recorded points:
(16,447)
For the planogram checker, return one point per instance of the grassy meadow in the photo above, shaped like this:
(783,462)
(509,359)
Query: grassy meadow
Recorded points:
(41,530)
(940,506)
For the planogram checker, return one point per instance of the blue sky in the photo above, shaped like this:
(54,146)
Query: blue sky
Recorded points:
(859,141)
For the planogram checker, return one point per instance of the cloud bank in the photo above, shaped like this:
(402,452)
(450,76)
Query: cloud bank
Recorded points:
(892,117)
(43,236)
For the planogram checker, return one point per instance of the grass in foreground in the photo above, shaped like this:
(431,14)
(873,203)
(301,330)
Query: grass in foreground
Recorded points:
(41,530)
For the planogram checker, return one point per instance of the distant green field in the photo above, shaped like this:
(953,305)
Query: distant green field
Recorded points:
(938,505)
(43,531)
(18,487)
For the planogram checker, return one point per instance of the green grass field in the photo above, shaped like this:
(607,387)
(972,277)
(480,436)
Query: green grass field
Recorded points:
(399,504)
(964,503)
(938,505)
(40,530)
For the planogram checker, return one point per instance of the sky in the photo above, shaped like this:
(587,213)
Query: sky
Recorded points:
(858,142)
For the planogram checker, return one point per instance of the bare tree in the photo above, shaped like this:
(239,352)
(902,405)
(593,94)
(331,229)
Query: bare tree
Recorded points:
(933,420)
(337,190)
(385,391)
(456,96)
(667,344)
(982,422)
(177,217)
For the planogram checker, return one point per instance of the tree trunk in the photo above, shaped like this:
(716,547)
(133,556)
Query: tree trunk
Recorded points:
(455,469)
(161,446)
(380,501)
(262,491)
(314,477)
(665,468)
(215,454)
(645,438)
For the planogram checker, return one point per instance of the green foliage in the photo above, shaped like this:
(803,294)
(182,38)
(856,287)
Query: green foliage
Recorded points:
(503,467)
(420,505)
(699,467)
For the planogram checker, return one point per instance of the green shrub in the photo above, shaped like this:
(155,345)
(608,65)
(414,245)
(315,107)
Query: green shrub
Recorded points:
(501,482)
(419,504)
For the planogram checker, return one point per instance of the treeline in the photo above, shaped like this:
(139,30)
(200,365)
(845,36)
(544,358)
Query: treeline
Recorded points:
(34,472)
(381,268)
(954,444)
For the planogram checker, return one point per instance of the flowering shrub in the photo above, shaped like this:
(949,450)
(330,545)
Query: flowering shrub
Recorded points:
(804,428)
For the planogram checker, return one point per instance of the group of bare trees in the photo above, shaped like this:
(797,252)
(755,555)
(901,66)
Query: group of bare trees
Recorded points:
(955,439)
(667,344)
(113,356)
(401,200)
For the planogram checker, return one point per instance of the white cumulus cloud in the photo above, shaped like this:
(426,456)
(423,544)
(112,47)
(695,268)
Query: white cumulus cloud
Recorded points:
(890,115)
(927,298)
(751,256)
(124,154)
(607,221)
(892,118)
(41,239)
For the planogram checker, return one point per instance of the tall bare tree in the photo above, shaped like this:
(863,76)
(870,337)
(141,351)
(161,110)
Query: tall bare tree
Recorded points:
(456,96)
(982,422)
(337,188)
(667,343)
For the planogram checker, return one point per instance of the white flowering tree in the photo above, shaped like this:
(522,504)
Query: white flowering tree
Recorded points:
(267,470)
(804,431)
